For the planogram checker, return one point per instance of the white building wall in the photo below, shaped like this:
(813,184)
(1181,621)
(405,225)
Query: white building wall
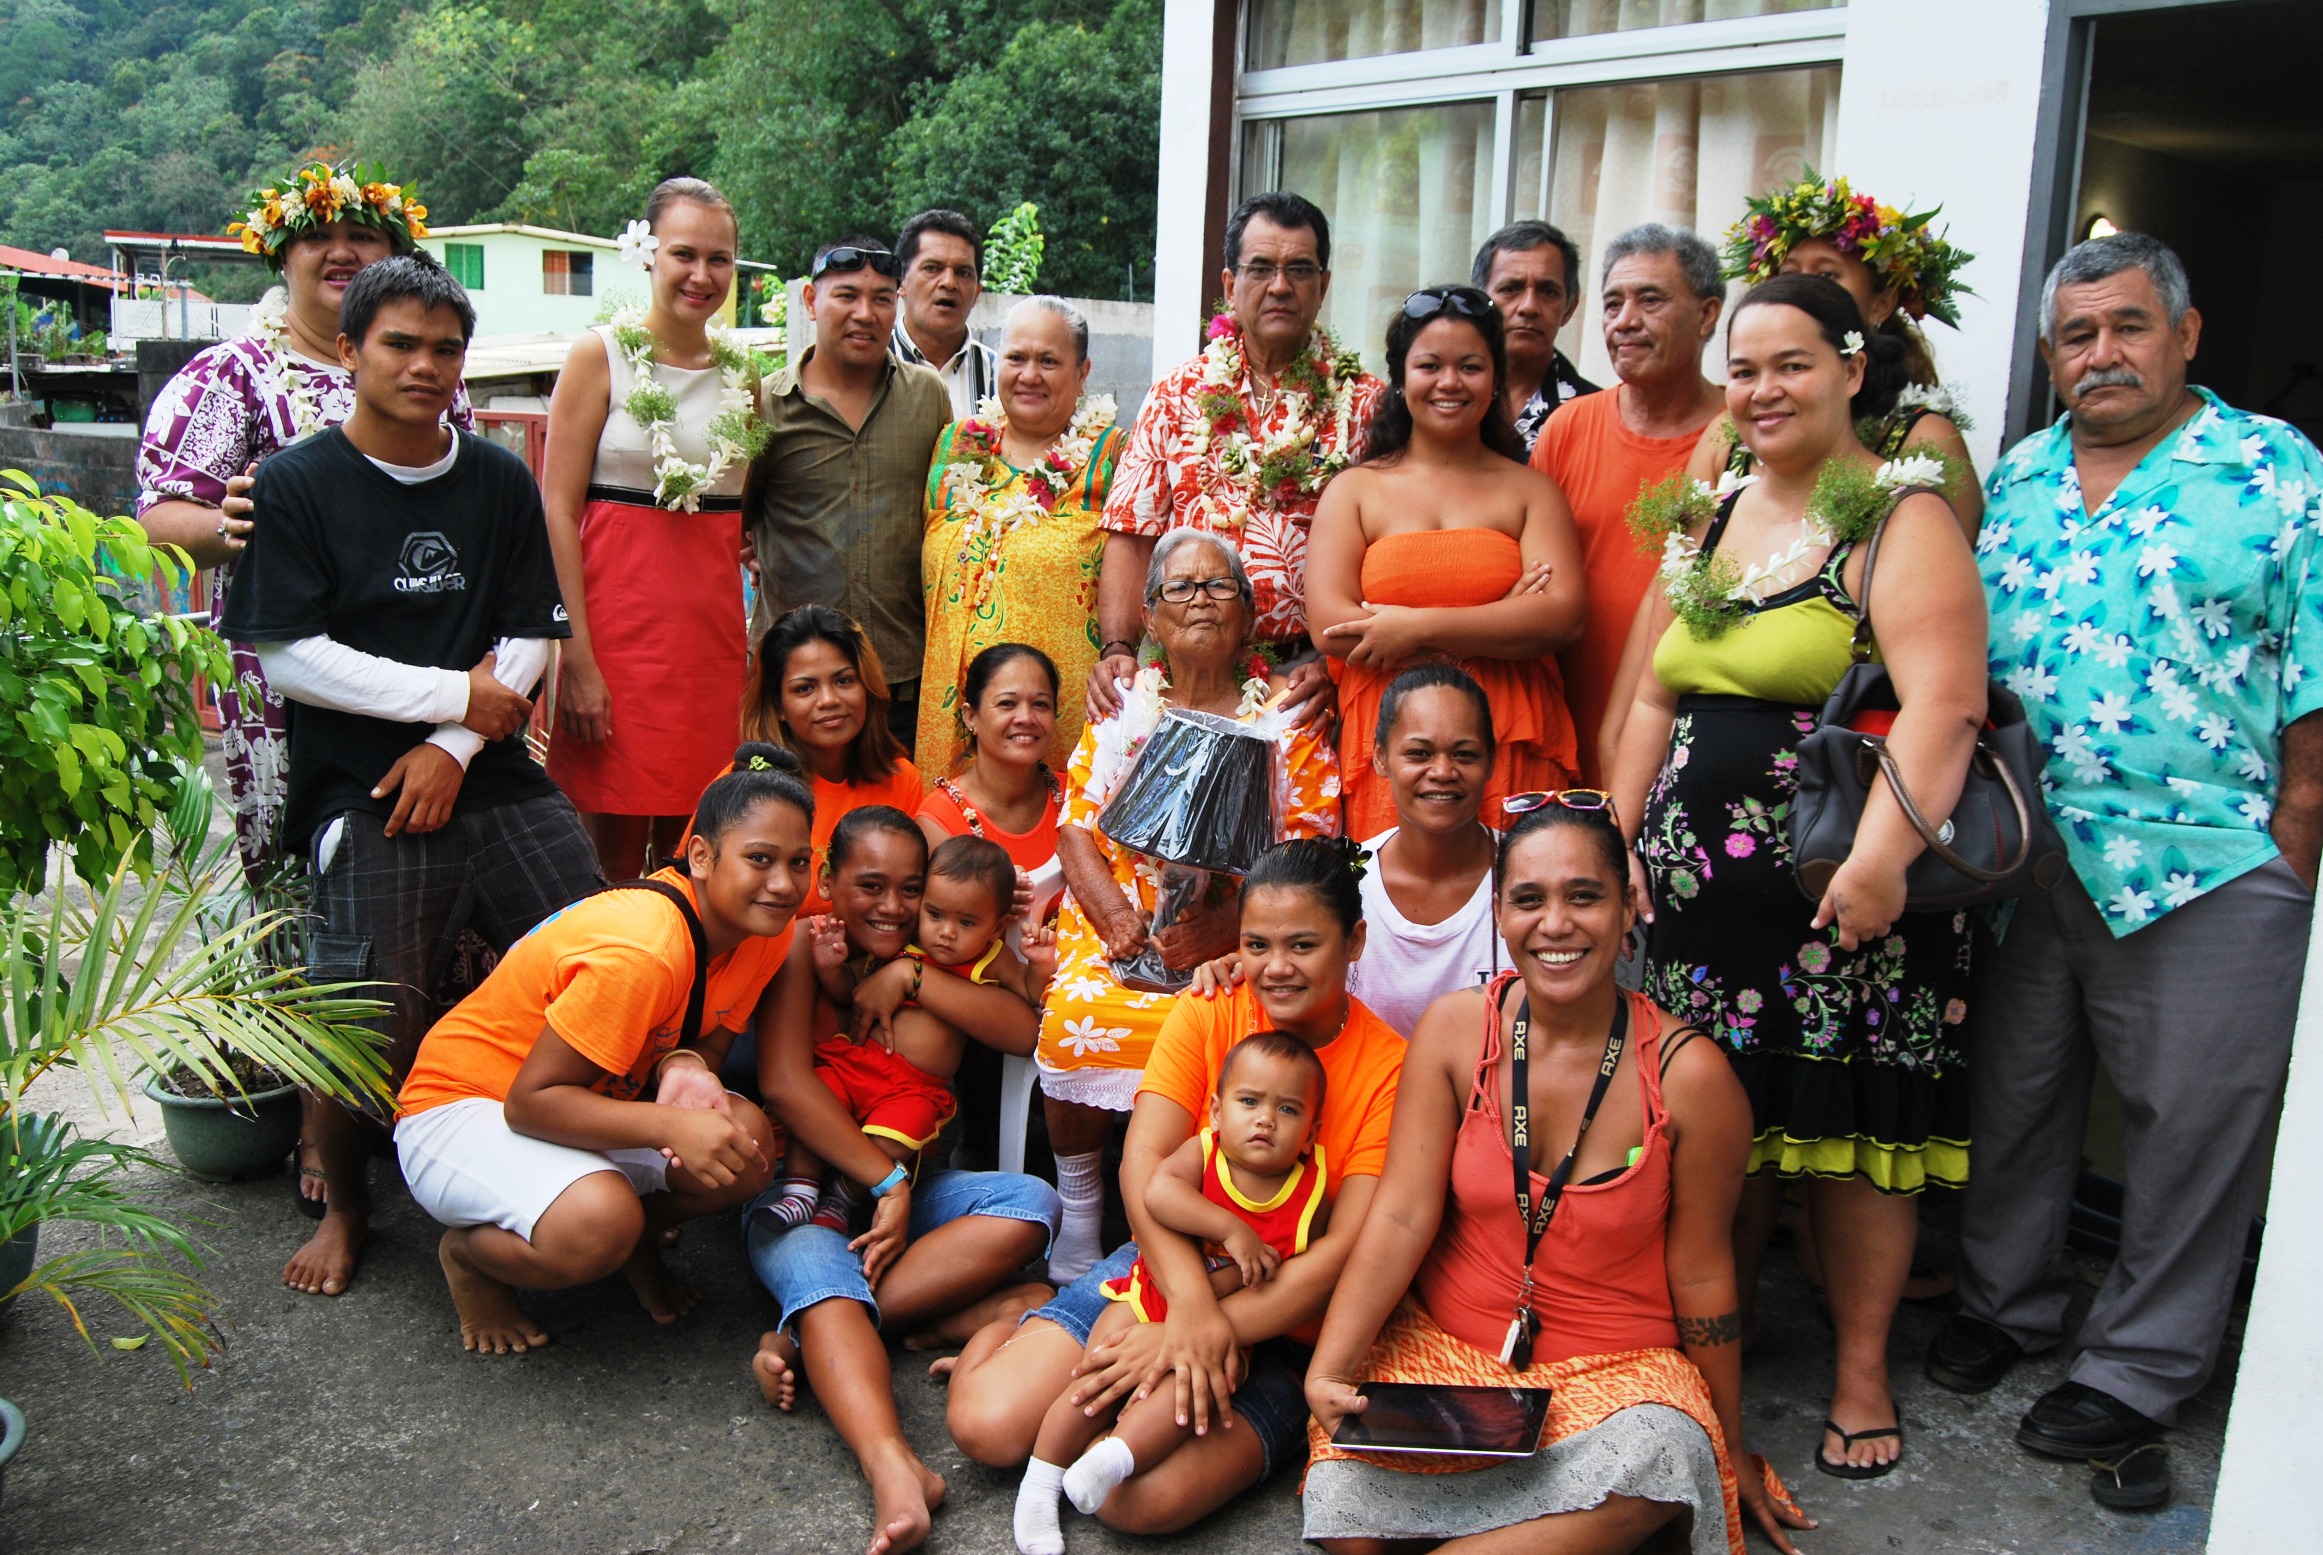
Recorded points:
(512,301)
(1183,275)
(1956,127)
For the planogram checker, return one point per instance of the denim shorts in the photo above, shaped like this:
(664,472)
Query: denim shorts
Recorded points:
(1273,1397)
(811,1264)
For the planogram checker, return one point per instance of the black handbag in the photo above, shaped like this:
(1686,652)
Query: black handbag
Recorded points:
(1998,842)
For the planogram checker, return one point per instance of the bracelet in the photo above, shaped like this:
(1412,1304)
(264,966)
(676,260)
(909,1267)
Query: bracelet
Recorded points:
(663,1062)
(1105,649)
(896,1176)
(919,972)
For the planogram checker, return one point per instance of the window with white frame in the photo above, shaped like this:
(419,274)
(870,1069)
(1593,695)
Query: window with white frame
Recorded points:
(1417,156)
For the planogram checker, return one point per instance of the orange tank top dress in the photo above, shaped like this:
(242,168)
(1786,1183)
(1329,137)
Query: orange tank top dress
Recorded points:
(1282,1222)
(1601,1282)
(1533,732)
(665,614)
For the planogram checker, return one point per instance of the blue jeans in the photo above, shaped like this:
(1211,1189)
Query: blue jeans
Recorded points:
(1272,1400)
(812,1264)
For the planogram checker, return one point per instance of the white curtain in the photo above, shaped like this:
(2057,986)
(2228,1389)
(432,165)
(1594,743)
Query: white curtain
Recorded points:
(1683,153)
(1408,191)
(1310,32)
(1579,18)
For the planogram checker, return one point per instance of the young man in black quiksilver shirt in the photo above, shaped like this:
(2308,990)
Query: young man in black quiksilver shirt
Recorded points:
(401,594)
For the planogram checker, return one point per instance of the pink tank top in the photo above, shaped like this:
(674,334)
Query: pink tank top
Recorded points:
(1601,1283)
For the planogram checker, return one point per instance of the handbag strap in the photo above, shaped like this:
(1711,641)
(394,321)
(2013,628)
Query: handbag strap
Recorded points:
(696,997)
(1860,653)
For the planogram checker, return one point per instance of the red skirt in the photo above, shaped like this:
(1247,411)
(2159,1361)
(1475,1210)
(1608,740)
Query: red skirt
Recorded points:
(666,621)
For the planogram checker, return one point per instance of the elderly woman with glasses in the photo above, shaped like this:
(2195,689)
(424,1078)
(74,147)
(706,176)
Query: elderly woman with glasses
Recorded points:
(1095,1032)
(1443,544)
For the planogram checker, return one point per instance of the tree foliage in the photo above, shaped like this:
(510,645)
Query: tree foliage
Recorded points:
(816,118)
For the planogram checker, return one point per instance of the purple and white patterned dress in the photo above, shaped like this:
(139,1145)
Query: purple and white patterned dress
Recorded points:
(227,408)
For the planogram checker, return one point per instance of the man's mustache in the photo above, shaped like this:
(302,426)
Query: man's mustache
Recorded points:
(2107,378)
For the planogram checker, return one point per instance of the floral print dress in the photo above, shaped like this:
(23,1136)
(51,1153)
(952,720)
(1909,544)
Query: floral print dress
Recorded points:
(1853,1060)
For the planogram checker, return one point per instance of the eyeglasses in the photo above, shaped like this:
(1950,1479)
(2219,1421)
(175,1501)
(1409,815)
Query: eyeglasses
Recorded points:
(1594,801)
(1262,272)
(849,257)
(1179,590)
(1466,301)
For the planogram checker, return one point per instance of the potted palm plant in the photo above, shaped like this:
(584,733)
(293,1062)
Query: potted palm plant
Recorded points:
(102,755)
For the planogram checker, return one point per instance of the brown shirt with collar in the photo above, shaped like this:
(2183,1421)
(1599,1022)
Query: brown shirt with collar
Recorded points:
(836,512)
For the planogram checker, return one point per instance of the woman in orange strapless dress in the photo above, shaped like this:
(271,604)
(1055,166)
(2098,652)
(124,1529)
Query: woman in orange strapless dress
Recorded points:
(1444,544)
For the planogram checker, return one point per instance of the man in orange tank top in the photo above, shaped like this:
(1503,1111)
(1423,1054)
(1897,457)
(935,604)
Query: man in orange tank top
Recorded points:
(1661,295)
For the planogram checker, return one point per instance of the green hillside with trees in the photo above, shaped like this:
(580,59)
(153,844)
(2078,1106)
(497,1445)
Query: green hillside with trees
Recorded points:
(815,118)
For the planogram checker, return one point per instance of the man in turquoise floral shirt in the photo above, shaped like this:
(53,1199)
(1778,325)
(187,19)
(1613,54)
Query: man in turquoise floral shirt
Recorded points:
(2148,563)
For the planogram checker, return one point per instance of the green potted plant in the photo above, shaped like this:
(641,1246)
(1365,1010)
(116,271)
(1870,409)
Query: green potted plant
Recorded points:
(101,752)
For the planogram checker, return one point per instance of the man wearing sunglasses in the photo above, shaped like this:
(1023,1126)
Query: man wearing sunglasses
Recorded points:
(833,506)
(1267,378)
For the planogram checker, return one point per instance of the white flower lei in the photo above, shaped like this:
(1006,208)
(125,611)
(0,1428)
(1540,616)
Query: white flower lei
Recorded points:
(270,324)
(971,481)
(734,433)
(1681,551)
(1243,458)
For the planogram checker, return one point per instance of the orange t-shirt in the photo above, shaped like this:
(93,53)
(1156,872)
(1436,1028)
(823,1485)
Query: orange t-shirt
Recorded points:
(1026,850)
(1601,466)
(901,788)
(610,974)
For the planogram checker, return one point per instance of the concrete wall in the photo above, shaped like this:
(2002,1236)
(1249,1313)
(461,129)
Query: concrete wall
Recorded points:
(95,463)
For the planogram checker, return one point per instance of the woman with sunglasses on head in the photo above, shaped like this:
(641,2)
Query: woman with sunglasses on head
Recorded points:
(1444,544)
(1843,1015)
(1608,1278)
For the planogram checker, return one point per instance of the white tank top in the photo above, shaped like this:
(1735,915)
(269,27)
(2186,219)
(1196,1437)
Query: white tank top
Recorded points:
(625,457)
(1407,966)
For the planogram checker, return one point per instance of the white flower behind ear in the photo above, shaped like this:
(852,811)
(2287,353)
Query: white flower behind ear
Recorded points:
(638,244)
(1851,343)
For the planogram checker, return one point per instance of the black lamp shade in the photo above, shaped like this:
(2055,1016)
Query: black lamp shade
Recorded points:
(1201,794)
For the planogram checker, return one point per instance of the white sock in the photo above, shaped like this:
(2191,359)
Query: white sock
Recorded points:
(1037,1532)
(1079,1243)
(1097,1473)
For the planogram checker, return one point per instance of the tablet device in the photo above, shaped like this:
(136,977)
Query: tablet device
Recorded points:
(1472,1422)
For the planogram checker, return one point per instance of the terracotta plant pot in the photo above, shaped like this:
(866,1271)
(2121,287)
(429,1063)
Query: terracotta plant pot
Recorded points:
(221,1141)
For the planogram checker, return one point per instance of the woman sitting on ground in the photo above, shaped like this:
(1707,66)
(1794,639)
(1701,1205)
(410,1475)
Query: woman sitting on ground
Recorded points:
(940,1251)
(1444,543)
(1300,928)
(817,689)
(522,1126)
(1623,1305)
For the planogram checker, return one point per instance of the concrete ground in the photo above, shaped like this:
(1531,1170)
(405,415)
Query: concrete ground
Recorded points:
(358,1425)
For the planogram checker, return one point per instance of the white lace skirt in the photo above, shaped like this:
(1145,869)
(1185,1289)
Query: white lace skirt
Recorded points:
(1109,1090)
(1650,1451)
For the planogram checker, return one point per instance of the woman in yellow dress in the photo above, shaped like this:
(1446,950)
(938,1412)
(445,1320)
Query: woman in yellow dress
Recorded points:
(1014,499)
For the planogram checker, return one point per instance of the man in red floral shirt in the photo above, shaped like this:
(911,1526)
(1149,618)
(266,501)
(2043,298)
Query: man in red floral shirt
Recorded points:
(1240,442)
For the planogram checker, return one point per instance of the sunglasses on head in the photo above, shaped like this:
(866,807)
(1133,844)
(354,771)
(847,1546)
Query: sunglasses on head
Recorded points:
(849,257)
(1466,301)
(1592,801)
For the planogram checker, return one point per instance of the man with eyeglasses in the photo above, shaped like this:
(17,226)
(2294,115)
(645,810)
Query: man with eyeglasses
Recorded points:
(1240,442)
(1528,268)
(833,507)
(943,274)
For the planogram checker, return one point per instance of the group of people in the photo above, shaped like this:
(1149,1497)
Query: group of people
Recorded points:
(1525,1014)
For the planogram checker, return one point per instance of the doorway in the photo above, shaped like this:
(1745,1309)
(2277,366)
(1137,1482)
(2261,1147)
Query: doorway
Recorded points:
(2204,128)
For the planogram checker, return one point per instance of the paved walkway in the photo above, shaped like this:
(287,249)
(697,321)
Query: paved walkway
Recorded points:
(358,1425)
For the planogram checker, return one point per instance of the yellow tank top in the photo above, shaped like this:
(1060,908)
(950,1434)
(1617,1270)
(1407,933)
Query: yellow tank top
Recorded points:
(1790,648)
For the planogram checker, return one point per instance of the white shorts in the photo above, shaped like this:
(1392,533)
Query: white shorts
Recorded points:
(467,1167)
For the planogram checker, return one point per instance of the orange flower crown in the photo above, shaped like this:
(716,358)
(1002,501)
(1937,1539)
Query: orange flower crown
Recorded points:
(318,194)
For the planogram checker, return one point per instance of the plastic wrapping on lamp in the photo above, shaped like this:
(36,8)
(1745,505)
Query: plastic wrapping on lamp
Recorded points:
(1203,791)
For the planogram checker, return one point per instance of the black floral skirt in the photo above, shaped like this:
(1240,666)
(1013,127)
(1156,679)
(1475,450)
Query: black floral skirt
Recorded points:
(1853,1060)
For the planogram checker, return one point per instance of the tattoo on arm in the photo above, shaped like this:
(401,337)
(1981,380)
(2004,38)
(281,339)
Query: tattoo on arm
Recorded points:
(1726,1328)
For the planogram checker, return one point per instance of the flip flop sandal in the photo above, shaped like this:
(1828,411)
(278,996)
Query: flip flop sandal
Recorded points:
(313,1209)
(2136,1481)
(1847,1439)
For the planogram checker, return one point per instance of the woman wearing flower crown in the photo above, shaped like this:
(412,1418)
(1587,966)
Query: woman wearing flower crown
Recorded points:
(1899,272)
(652,426)
(1015,497)
(240,400)
(1842,1016)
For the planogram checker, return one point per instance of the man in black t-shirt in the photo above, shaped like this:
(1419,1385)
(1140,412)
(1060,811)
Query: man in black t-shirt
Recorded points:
(402,596)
